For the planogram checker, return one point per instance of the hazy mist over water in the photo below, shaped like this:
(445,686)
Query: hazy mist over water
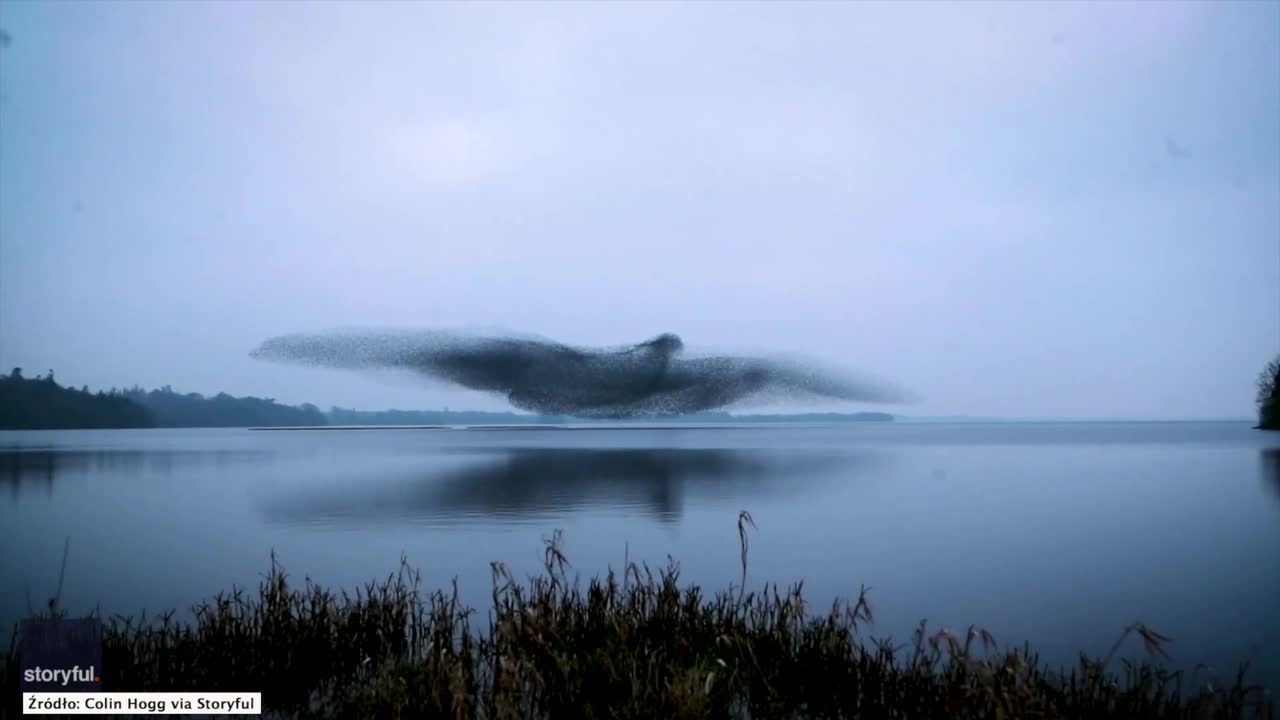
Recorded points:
(1056,533)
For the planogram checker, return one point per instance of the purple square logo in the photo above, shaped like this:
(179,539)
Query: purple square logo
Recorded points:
(60,655)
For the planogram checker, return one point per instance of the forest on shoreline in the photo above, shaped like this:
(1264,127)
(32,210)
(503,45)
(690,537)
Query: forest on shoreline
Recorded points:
(40,403)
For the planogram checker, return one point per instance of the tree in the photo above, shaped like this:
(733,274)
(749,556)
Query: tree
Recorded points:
(1268,398)
(42,404)
(16,374)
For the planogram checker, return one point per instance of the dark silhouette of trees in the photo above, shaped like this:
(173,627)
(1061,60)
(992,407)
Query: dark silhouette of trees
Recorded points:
(345,416)
(42,404)
(174,409)
(1268,397)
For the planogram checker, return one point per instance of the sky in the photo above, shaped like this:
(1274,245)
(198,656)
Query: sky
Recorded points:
(1012,209)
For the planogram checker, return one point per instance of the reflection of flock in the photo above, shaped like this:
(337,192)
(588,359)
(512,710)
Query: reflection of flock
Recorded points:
(518,483)
(503,483)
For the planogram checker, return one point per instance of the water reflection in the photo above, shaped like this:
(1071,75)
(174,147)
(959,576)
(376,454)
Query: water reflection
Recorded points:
(1271,470)
(40,467)
(514,484)
(36,468)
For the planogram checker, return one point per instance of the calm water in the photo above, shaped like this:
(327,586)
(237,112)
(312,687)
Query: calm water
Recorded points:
(1057,534)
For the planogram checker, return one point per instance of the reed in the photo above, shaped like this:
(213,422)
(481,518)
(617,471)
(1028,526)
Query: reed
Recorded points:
(638,645)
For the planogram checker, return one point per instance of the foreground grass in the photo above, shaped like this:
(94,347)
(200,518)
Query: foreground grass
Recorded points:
(635,646)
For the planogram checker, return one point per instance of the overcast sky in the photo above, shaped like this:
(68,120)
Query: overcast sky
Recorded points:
(1067,210)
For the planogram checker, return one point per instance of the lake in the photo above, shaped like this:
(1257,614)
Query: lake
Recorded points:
(1057,534)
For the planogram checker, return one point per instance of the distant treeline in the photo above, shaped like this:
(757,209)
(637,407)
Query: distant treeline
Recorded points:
(345,416)
(800,417)
(42,404)
(172,409)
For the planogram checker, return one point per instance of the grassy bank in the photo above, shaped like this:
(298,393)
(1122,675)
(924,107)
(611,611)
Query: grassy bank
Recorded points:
(637,645)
